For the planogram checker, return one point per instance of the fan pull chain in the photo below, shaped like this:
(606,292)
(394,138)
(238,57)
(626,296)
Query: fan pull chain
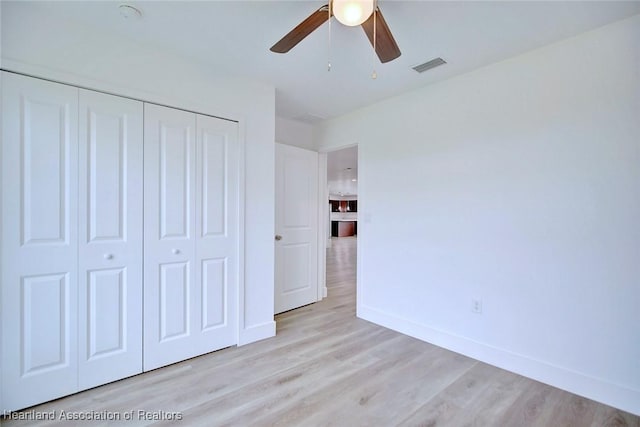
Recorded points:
(329,48)
(374,75)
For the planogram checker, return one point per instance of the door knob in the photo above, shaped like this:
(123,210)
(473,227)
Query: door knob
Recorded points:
(278,237)
(108,256)
(175,251)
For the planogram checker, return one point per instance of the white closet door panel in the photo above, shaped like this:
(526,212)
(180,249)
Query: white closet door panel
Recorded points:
(169,222)
(217,231)
(110,220)
(39,240)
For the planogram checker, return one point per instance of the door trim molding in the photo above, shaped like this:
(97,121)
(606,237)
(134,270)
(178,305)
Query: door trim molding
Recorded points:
(323,218)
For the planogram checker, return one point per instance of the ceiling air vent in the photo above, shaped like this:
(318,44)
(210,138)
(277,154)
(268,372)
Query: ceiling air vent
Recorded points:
(429,65)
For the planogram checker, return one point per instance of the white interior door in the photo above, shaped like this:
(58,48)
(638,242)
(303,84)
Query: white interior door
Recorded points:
(191,235)
(296,253)
(110,246)
(39,240)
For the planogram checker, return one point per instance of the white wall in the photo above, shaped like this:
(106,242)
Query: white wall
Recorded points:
(519,184)
(293,132)
(85,57)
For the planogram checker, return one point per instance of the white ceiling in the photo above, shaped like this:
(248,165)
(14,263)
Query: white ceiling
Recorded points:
(235,36)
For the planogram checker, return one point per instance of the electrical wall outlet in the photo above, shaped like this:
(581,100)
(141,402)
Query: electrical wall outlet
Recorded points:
(476,305)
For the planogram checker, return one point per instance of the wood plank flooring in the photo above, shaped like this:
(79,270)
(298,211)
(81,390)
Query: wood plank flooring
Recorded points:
(326,367)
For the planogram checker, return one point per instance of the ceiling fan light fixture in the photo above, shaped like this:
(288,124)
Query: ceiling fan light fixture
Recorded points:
(352,12)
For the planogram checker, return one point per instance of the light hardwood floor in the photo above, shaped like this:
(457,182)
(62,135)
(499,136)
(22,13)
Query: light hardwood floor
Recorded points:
(326,367)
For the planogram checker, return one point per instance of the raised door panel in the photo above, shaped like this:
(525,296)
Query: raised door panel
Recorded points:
(214,191)
(170,306)
(45,172)
(296,182)
(39,240)
(45,323)
(110,220)
(217,212)
(175,306)
(296,266)
(175,174)
(106,333)
(215,290)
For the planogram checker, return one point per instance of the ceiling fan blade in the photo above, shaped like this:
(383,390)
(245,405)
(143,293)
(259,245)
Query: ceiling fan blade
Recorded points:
(386,46)
(303,29)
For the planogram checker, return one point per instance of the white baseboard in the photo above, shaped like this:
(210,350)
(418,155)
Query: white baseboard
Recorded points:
(256,333)
(324,292)
(575,382)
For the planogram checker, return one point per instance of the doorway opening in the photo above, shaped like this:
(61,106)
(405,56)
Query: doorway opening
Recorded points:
(342,227)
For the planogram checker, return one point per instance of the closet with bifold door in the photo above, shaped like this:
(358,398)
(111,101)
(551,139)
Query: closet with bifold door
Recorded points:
(120,238)
(191,238)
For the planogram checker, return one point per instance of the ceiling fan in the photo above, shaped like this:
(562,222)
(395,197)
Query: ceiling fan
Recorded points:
(352,13)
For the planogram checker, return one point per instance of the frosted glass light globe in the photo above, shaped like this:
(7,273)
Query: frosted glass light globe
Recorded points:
(352,12)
